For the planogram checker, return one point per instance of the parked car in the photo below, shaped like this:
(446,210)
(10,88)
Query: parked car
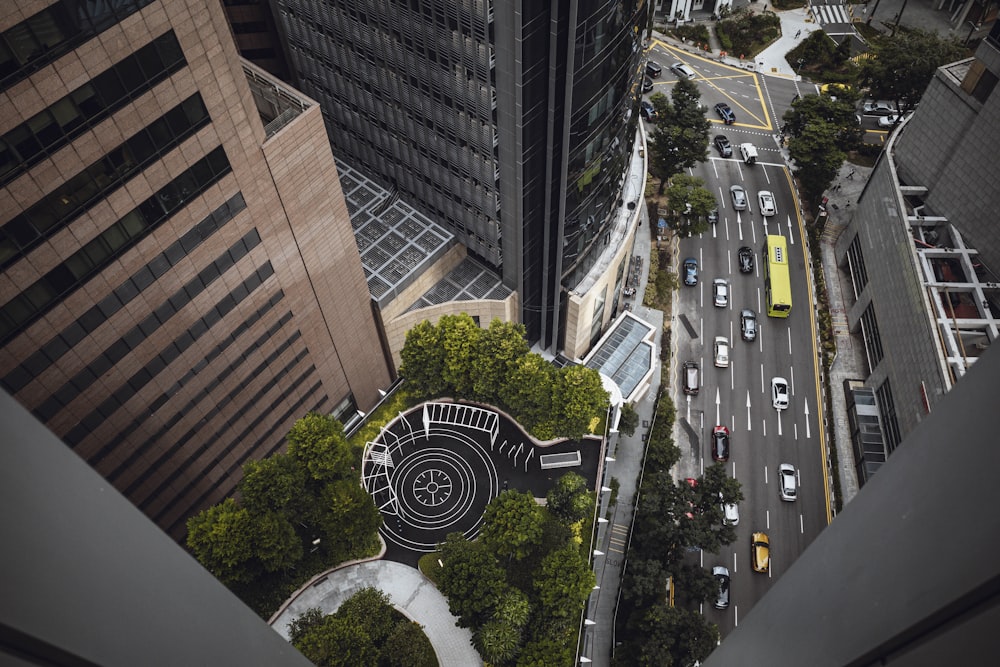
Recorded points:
(647,84)
(653,69)
(723,146)
(721,352)
(779,393)
(683,71)
(720,444)
(886,122)
(647,110)
(748,324)
(879,108)
(760,552)
(787,490)
(766,201)
(720,292)
(745,256)
(739,197)
(721,575)
(725,113)
(692,377)
(690,271)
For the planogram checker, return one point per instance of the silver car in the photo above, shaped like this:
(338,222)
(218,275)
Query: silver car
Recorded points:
(721,352)
(720,292)
(789,482)
(721,575)
(739,197)
(766,201)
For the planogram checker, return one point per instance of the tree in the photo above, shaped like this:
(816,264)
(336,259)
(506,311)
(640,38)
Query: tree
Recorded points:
(500,348)
(570,499)
(497,641)
(562,583)
(545,652)
(408,646)
(272,484)
(836,115)
(337,642)
(460,339)
(513,608)
(303,623)
(528,393)
(680,137)
(645,581)
(817,158)
(346,519)
(370,609)
(317,442)
(512,524)
(578,398)
(629,420)
(690,203)
(471,579)
(904,64)
(422,360)
(663,635)
(694,584)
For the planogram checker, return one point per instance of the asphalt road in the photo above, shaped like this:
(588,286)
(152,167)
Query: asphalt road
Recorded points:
(739,396)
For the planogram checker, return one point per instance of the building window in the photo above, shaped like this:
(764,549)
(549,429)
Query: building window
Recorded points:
(856,263)
(873,341)
(887,409)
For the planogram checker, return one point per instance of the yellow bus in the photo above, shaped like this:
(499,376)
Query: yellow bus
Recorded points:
(777,283)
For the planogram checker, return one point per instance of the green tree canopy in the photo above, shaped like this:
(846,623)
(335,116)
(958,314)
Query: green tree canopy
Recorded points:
(471,579)
(629,420)
(512,525)
(904,64)
(501,346)
(690,204)
(529,391)
(408,646)
(680,137)
(346,519)
(570,499)
(837,116)
(817,158)
(563,582)
(578,397)
(272,484)
(317,442)
(371,609)
(423,358)
(337,642)
(497,641)
(546,651)
(666,636)
(460,336)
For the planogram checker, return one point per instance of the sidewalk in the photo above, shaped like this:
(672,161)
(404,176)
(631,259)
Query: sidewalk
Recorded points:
(409,591)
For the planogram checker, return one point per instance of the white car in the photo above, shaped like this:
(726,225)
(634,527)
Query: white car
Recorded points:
(779,393)
(721,352)
(879,108)
(682,70)
(730,513)
(886,122)
(789,482)
(720,292)
(767,205)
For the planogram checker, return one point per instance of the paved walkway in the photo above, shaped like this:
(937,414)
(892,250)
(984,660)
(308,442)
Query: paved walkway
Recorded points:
(410,592)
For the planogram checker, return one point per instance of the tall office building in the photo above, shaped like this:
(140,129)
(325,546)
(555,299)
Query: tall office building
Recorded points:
(180,280)
(510,123)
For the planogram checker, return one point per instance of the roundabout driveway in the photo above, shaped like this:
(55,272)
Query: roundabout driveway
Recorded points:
(409,591)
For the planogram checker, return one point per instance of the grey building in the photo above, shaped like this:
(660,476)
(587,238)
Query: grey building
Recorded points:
(510,123)
(922,251)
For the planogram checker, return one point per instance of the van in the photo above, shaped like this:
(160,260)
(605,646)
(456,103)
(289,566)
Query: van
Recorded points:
(749,153)
(691,377)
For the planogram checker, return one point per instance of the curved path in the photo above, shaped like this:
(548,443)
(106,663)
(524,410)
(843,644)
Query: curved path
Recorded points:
(410,592)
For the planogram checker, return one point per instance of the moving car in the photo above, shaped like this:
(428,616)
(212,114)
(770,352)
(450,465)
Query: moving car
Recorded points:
(720,444)
(721,352)
(647,110)
(721,575)
(879,108)
(779,393)
(713,216)
(760,552)
(647,84)
(725,113)
(723,146)
(653,69)
(745,256)
(786,473)
(690,271)
(730,513)
(720,292)
(886,122)
(739,197)
(766,200)
(748,324)
(682,70)
(691,374)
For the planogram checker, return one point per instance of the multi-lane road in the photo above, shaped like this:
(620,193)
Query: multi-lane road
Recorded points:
(739,396)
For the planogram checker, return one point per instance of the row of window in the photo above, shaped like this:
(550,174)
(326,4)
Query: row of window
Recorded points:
(52,128)
(151,323)
(873,340)
(61,206)
(183,464)
(130,288)
(24,309)
(255,452)
(79,433)
(62,26)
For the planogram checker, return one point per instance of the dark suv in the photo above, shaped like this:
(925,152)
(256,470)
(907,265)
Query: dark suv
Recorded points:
(690,271)
(724,147)
(653,69)
(745,255)
(725,113)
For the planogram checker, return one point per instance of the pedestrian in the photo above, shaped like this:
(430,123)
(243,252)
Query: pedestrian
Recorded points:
(798,33)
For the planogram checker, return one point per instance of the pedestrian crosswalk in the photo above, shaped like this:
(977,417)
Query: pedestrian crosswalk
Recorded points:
(831,14)
(618,539)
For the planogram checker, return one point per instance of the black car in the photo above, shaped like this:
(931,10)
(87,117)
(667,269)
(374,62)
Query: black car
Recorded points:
(748,324)
(745,255)
(720,444)
(725,113)
(647,84)
(690,271)
(653,69)
(723,146)
(647,110)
